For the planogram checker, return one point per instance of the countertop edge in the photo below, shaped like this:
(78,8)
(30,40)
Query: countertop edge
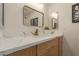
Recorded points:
(28,45)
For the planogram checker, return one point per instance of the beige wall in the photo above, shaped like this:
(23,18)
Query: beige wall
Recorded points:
(14,17)
(70,30)
(46,24)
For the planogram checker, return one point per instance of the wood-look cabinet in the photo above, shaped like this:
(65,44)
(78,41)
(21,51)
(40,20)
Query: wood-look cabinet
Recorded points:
(60,46)
(53,47)
(49,48)
(25,52)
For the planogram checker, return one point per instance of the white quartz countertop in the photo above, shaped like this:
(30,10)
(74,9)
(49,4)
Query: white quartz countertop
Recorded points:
(9,45)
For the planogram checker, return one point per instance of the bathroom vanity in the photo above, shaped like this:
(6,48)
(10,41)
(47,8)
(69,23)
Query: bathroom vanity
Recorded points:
(52,47)
(34,44)
(42,45)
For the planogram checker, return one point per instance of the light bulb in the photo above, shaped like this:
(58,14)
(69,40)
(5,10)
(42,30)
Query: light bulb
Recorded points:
(54,15)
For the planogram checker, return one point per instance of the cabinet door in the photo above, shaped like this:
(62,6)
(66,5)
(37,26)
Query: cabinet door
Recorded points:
(25,52)
(49,48)
(60,45)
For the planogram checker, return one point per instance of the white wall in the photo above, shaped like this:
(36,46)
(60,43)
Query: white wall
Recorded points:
(63,16)
(71,30)
(14,17)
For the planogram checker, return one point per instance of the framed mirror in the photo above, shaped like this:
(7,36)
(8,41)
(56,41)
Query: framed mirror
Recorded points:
(32,17)
(54,23)
(1,14)
(54,20)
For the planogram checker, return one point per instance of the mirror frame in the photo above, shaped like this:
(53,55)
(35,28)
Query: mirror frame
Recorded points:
(2,14)
(36,11)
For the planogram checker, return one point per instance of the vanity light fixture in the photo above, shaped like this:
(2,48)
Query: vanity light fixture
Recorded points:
(54,15)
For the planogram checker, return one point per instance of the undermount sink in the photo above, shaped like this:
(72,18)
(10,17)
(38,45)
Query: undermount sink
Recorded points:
(20,40)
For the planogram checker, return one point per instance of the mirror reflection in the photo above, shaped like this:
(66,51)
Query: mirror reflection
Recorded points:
(32,17)
(54,20)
